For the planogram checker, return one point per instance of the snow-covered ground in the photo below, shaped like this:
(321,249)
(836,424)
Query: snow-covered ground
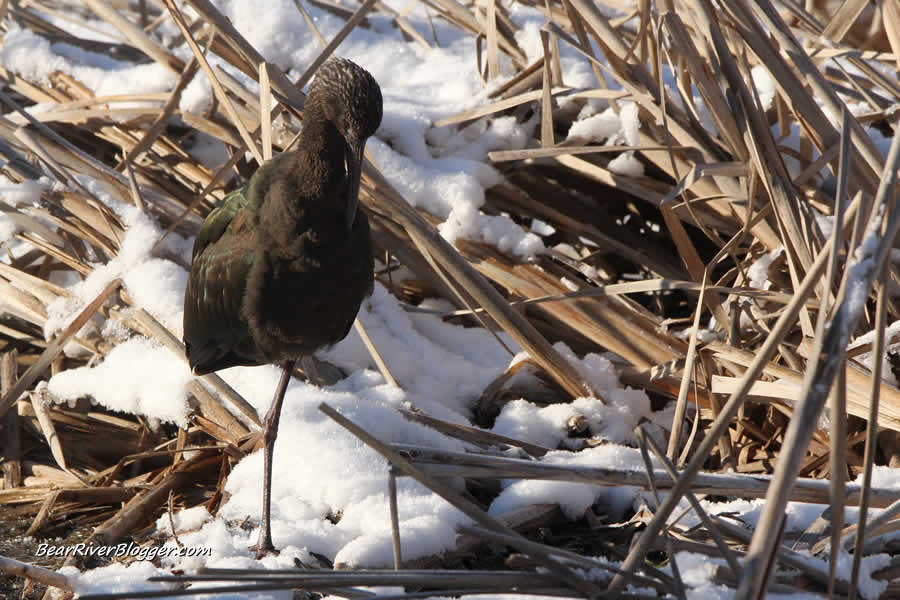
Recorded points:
(320,470)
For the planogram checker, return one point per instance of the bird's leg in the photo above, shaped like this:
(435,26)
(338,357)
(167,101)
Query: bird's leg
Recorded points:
(270,432)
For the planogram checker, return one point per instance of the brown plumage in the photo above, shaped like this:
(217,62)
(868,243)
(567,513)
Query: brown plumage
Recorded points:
(280,268)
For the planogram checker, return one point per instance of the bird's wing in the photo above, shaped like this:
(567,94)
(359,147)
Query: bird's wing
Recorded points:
(219,219)
(214,331)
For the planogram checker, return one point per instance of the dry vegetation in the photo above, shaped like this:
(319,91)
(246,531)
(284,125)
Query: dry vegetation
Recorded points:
(713,200)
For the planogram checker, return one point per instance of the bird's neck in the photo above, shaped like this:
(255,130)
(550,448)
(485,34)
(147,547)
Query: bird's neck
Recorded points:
(312,176)
(322,150)
(305,192)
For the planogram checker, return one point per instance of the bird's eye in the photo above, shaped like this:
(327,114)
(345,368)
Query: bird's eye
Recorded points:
(346,124)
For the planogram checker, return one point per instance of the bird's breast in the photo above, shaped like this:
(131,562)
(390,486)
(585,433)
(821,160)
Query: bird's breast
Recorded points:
(301,301)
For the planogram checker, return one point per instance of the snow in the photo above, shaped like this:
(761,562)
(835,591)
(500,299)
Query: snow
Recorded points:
(886,477)
(891,331)
(765,86)
(758,273)
(541,228)
(597,127)
(575,498)
(613,420)
(757,277)
(154,283)
(115,578)
(137,376)
(613,128)
(320,470)
(799,515)
(697,571)
(185,520)
(36,59)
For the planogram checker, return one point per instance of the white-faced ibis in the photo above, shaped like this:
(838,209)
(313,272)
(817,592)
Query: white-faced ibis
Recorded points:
(280,268)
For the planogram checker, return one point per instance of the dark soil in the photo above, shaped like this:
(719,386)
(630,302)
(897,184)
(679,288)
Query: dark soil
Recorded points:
(16,545)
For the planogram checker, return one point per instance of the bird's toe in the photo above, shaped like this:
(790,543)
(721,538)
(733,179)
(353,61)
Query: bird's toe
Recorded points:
(261,550)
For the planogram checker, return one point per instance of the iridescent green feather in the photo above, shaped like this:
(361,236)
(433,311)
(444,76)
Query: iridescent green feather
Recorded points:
(214,332)
(219,219)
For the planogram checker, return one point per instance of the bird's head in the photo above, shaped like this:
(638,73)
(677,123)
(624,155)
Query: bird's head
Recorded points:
(348,96)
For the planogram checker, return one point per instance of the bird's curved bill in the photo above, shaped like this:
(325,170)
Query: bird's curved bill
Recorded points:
(355,149)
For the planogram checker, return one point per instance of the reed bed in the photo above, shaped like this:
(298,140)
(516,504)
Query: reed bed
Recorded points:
(655,268)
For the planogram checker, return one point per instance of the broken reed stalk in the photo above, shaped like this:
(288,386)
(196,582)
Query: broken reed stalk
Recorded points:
(446,463)
(153,328)
(221,96)
(472,435)
(729,410)
(251,58)
(667,535)
(46,576)
(437,578)
(687,378)
(41,409)
(694,502)
(871,432)
(831,348)
(341,35)
(86,495)
(9,425)
(142,507)
(373,352)
(839,394)
(256,588)
(561,572)
(53,350)
(395,519)
(661,584)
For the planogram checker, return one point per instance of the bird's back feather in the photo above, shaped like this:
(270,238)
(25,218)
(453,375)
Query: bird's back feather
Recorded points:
(214,333)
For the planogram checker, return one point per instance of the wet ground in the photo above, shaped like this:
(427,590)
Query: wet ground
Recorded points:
(16,545)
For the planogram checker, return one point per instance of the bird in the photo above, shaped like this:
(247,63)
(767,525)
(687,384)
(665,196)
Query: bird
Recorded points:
(281,267)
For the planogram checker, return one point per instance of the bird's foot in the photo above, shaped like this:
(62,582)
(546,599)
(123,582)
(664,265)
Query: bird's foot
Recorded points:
(263,549)
(320,372)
